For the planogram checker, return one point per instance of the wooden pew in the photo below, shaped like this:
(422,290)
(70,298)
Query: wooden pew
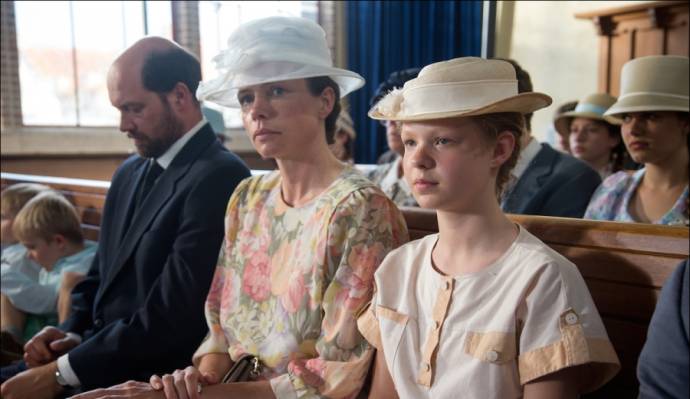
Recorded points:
(624,265)
(87,196)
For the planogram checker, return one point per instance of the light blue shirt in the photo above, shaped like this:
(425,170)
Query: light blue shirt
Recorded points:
(77,263)
(33,289)
(19,280)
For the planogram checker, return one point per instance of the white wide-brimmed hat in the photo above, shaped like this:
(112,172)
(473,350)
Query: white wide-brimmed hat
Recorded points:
(591,107)
(653,83)
(270,50)
(459,87)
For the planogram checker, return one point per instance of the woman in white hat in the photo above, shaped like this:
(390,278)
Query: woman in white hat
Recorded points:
(653,108)
(483,309)
(591,138)
(302,242)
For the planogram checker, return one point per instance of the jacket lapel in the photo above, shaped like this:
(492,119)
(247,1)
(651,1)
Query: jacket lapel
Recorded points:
(160,194)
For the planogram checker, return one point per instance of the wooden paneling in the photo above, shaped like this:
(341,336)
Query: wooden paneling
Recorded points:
(631,31)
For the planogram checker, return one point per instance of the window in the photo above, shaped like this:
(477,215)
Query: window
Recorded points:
(218,19)
(65,50)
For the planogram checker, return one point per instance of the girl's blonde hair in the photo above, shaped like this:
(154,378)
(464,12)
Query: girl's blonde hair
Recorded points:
(46,215)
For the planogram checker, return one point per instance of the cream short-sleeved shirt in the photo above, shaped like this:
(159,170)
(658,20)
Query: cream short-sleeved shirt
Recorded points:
(484,334)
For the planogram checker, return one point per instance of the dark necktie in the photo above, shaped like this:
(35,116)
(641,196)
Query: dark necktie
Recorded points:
(152,172)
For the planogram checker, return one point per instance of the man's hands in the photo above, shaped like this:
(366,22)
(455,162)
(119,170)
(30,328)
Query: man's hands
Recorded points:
(35,383)
(46,346)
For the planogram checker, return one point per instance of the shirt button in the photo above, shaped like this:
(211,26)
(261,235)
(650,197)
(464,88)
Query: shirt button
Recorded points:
(571,318)
(98,323)
(492,356)
(426,367)
(436,325)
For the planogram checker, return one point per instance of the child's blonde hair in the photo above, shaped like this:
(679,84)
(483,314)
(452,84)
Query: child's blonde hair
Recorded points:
(14,197)
(44,216)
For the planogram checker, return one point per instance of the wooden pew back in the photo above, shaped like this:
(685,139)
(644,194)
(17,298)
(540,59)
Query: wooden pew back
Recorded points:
(87,196)
(624,265)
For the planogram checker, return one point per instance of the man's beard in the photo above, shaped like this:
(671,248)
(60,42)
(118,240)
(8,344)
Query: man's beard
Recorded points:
(169,127)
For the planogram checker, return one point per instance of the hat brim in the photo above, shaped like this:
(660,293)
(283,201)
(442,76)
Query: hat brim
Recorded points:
(563,127)
(643,103)
(218,91)
(524,103)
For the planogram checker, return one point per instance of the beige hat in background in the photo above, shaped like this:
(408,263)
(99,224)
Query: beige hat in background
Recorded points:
(591,107)
(344,123)
(654,83)
(459,87)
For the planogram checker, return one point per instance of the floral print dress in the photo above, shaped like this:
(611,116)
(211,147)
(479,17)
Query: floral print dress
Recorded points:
(290,281)
(611,201)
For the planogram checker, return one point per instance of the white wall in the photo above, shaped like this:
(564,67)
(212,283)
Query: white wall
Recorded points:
(560,52)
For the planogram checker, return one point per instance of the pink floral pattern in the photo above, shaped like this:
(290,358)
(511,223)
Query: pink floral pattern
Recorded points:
(304,274)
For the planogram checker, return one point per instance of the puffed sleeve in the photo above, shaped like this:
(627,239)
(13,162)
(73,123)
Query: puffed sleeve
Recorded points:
(559,327)
(215,341)
(365,226)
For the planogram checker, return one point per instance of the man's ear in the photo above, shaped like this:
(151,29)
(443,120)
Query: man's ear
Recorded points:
(503,148)
(180,97)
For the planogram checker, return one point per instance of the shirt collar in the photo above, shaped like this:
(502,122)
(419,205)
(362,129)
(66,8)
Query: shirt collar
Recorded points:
(526,157)
(167,157)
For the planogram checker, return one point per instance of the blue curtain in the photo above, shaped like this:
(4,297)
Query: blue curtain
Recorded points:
(387,36)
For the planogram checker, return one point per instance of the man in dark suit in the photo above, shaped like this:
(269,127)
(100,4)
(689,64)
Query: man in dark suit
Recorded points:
(140,309)
(545,181)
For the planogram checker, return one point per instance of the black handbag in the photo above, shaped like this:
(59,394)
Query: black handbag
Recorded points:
(246,368)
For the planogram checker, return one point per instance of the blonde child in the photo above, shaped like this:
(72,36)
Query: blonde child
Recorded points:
(48,227)
(19,275)
(483,309)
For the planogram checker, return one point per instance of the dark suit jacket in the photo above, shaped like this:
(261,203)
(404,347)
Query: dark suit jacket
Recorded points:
(141,308)
(664,359)
(554,184)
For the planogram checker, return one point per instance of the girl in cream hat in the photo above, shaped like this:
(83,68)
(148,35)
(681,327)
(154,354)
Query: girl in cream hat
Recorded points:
(653,110)
(483,306)
(591,137)
(301,243)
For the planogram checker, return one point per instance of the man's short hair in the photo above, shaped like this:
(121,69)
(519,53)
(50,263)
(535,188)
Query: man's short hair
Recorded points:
(46,215)
(396,79)
(524,86)
(14,197)
(162,70)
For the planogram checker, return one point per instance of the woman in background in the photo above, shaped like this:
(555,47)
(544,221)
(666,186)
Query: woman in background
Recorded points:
(653,109)
(591,138)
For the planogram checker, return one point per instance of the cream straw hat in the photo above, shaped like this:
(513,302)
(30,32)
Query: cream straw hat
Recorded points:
(458,87)
(654,83)
(270,50)
(591,107)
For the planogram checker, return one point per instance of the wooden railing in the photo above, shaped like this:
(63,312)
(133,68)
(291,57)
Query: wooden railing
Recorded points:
(624,264)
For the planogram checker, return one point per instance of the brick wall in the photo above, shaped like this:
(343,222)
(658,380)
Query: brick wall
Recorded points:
(10,100)
(185,16)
